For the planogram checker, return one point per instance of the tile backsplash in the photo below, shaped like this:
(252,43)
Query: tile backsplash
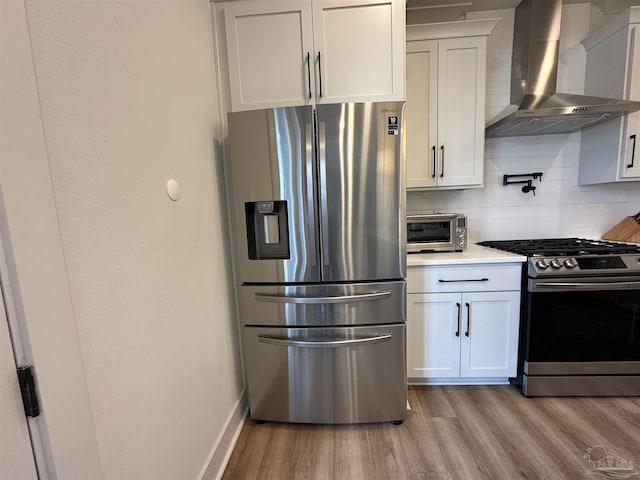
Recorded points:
(560,207)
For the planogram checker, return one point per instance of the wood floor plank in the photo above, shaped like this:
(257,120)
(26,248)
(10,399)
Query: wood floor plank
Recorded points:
(451,433)
(419,448)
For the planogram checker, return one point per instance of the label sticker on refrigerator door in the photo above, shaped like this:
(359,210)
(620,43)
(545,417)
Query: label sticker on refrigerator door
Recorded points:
(392,126)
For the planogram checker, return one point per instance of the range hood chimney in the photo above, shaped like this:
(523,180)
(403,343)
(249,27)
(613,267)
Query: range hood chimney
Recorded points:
(536,108)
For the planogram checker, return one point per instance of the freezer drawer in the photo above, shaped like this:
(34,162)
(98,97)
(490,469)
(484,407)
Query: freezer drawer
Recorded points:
(326,375)
(323,305)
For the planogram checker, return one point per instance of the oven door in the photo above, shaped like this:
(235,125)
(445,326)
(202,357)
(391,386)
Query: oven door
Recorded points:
(583,326)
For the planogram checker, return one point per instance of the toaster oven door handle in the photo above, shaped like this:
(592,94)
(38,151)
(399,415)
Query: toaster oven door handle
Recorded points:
(464,280)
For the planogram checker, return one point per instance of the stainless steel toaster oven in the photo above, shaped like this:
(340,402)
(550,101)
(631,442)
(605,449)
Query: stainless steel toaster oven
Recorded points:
(436,232)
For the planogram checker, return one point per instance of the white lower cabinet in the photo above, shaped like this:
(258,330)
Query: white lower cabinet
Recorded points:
(463,335)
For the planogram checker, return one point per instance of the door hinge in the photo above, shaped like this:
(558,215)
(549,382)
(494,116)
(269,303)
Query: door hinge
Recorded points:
(28,390)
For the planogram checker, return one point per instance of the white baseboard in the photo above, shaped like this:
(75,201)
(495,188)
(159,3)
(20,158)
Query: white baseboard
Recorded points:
(458,381)
(223,447)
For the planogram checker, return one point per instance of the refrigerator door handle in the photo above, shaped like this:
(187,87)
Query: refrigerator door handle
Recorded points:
(310,207)
(322,147)
(288,342)
(266,297)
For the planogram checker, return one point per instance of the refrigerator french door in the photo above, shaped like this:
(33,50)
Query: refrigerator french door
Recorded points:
(318,205)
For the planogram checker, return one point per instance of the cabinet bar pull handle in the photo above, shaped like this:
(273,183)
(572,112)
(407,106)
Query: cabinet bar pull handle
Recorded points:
(466,334)
(433,175)
(459,312)
(633,150)
(320,73)
(442,161)
(464,280)
(309,72)
(289,342)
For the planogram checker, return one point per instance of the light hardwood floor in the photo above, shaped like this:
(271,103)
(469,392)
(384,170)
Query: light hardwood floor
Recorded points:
(451,433)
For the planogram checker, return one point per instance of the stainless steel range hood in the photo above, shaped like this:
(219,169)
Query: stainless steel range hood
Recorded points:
(536,108)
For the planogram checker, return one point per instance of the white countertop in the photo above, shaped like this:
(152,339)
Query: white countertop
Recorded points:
(473,254)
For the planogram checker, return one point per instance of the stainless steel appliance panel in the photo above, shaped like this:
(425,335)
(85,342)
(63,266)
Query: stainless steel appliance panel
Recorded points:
(326,375)
(323,305)
(272,159)
(581,386)
(361,191)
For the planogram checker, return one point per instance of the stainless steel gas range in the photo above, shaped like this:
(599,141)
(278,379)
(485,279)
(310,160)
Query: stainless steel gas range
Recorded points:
(580,317)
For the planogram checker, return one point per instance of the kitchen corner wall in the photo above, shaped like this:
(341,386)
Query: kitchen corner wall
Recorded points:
(126,98)
(560,207)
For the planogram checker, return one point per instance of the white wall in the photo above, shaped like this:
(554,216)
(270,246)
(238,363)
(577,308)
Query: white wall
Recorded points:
(127,95)
(561,207)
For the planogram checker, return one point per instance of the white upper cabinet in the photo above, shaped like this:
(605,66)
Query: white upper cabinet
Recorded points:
(611,152)
(446,84)
(269,54)
(289,53)
(422,114)
(359,48)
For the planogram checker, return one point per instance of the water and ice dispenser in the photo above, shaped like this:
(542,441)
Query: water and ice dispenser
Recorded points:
(267,230)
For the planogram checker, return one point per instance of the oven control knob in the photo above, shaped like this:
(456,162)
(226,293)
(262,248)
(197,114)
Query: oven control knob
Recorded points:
(555,263)
(542,264)
(570,263)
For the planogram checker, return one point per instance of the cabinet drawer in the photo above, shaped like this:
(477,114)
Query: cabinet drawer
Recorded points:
(464,278)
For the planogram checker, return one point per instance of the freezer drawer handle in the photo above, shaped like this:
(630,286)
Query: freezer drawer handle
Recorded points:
(287,342)
(266,297)
(465,280)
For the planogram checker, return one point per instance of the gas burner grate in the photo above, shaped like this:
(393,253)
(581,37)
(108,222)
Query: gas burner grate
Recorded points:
(561,247)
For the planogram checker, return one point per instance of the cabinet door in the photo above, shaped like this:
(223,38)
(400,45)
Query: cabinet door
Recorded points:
(433,348)
(610,152)
(359,50)
(630,166)
(461,86)
(270,54)
(421,113)
(489,345)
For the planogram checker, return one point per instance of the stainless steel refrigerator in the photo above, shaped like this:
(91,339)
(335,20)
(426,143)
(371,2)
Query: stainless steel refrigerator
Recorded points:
(318,207)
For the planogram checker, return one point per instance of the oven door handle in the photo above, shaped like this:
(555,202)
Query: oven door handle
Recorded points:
(579,286)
